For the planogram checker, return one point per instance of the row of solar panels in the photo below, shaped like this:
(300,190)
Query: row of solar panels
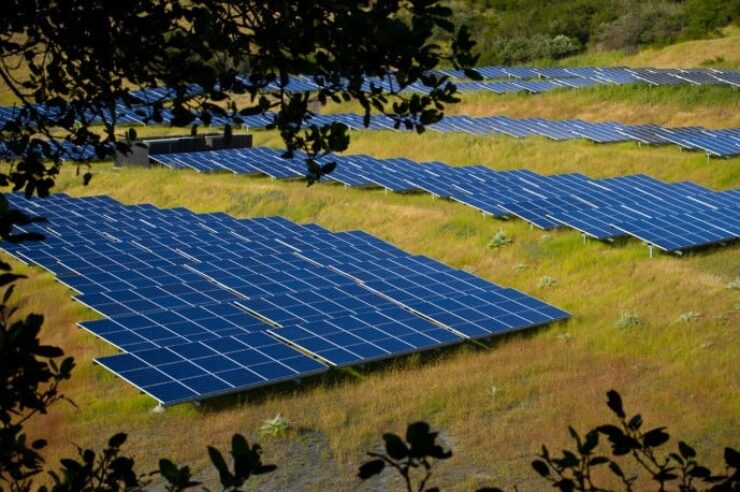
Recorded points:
(205,304)
(673,217)
(529,79)
(537,79)
(609,75)
(716,143)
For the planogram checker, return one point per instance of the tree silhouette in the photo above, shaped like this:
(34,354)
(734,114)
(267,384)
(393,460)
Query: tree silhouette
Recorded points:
(71,64)
(573,469)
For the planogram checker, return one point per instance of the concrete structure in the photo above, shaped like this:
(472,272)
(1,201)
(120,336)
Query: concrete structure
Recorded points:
(140,151)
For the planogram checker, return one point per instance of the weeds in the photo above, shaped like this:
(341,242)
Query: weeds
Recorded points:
(689,317)
(547,281)
(628,319)
(499,239)
(277,426)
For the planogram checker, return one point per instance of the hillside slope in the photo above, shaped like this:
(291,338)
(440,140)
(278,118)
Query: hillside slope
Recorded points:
(679,373)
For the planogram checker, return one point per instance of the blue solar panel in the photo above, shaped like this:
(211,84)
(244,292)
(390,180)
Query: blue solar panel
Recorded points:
(205,304)
(590,206)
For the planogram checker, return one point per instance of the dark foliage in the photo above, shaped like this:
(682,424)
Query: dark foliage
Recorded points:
(30,374)
(574,469)
(418,452)
(677,470)
(70,63)
(621,25)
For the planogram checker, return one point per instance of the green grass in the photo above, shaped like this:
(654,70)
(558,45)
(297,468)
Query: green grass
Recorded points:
(713,107)
(678,374)
(544,156)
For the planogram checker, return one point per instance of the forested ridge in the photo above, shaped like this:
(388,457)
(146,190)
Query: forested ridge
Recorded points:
(520,31)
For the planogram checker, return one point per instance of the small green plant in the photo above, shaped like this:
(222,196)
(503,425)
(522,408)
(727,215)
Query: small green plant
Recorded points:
(275,427)
(709,62)
(689,317)
(734,285)
(628,319)
(547,281)
(499,239)
(520,267)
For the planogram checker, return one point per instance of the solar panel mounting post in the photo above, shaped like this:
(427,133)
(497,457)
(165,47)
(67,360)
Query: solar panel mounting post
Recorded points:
(650,250)
(159,408)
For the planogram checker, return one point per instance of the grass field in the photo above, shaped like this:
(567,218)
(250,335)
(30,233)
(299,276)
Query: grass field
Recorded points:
(683,374)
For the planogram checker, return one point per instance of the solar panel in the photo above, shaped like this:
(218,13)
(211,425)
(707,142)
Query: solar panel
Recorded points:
(592,207)
(206,304)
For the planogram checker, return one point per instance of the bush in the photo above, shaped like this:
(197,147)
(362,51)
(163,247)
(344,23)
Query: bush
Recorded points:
(275,427)
(689,317)
(499,239)
(509,51)
(547,281)
(647,24)
(628,319)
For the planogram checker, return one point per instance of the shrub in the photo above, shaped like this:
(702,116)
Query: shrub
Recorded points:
(546,281)
(689,317)
(537,47)
(628,319)
(276,427)
(649,23)
(499,239)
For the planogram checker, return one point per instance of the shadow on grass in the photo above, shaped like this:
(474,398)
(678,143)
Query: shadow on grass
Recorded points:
(353,374)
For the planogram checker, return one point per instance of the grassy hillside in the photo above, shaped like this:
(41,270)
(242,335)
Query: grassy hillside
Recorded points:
(721,51)
(683,374)
(544,156)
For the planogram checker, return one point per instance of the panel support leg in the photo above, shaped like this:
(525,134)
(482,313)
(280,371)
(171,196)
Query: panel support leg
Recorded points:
(583,238)
(650,250)
(158,409)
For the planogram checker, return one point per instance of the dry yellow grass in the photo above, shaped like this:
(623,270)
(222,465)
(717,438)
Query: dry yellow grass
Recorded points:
(681,374)
(691,53)
(649,106)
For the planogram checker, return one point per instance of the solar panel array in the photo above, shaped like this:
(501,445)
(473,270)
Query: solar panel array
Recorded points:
(542,79)
(672,217)
(206,304)
(535,80)
(716,143)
